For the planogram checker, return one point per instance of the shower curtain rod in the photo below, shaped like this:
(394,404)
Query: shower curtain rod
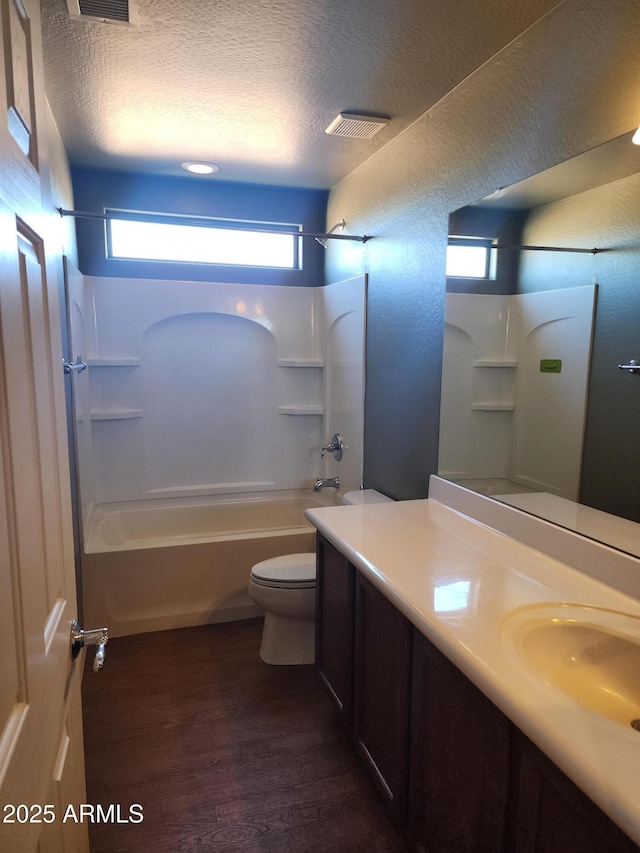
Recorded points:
(201,221)
(549,249)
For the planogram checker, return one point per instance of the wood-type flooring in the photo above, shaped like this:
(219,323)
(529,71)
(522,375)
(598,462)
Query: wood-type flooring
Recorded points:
(222,751)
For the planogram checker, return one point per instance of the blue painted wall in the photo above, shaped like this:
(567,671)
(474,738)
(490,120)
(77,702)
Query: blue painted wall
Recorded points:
(94,190)
(567,84)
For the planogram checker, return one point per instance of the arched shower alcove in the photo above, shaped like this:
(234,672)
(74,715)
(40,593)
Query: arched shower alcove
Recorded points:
(209,401)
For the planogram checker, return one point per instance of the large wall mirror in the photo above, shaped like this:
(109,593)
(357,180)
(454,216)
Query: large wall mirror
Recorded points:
(536,411)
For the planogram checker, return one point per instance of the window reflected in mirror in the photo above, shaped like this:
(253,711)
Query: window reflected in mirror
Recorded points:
(535,411)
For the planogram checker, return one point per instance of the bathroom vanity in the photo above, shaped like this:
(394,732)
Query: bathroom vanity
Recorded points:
(434,632)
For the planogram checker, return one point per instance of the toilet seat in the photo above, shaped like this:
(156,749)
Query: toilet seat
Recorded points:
(291,571)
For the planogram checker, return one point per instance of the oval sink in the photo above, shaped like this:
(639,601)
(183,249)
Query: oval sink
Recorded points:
(590,654)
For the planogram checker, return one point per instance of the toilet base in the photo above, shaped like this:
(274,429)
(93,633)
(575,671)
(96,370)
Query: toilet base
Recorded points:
(288,641)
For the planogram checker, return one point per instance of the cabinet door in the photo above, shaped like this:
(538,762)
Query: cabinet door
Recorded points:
(460,746)
(334,625)
(381,712)
(552,815)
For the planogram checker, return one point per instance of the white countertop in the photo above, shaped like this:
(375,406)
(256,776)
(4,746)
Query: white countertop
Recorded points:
(456,580)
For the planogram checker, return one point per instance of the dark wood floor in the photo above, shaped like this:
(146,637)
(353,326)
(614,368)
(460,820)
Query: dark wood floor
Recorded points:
(222,751)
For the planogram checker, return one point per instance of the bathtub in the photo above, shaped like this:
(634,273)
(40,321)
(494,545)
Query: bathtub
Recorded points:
(155,565)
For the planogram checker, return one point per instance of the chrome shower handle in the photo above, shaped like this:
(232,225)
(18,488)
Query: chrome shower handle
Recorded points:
(74,366)
(336,447)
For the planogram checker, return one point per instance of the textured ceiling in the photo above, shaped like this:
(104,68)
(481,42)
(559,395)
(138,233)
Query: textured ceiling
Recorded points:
(251,85)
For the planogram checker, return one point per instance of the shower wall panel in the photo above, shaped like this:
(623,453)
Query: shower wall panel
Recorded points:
(200,388)
(186,394)
(344,324)
(514,388)
(81,343)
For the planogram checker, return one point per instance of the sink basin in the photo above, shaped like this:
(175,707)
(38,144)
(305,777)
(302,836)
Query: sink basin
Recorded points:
(590,654)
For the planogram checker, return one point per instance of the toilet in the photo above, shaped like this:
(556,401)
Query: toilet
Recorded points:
(285,588)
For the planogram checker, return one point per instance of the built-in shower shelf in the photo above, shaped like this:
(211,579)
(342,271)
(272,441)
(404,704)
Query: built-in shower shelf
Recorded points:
(300,362)
(296,386)
(300,410)
(113,362)
(115,414)
(493,407)
(494,362)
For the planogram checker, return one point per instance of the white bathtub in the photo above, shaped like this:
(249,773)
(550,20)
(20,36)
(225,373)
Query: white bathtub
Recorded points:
(154,565)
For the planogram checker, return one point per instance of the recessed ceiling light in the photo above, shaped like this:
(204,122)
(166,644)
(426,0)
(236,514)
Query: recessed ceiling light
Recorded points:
(198,168)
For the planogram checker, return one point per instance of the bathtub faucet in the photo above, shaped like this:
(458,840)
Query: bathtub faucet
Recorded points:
(332,482)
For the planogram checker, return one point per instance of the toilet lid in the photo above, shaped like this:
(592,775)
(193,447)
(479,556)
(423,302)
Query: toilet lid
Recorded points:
(290,569)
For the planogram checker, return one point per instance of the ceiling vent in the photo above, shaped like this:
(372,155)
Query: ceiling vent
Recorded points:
(359,126)
(124,12)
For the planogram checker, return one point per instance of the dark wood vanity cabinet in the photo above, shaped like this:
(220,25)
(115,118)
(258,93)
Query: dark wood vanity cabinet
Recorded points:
(551,815)
(478,785)
(460,754)
(335,610)
(382,655)
(457,775)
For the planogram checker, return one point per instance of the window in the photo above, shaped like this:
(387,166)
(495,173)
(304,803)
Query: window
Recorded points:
(225,242)
(469,257)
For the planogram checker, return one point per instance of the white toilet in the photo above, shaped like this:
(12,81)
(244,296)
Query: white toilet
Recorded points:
(285,588)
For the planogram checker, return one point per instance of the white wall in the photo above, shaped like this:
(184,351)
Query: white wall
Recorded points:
(476,415)
(501,416)
(343,312)
(81,343)
(567,83)
(205,388)
(551,408)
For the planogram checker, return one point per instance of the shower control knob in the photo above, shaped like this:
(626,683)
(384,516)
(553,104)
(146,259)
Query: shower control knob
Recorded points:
(98,637)
(74,366)
(336,447)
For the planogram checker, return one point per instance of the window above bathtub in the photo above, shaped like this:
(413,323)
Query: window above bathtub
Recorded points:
(469,257)
(243,243)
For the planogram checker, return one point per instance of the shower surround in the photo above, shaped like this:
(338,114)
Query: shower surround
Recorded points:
(200,394)
(508,423)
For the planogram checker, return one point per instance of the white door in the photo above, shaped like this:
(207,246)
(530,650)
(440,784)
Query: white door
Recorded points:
(41,756)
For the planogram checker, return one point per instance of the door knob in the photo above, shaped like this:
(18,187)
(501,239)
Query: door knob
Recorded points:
(98,637)
(633,366)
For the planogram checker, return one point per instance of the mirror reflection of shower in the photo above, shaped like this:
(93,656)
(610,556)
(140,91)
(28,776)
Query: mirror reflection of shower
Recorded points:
(514,390)
(522,408)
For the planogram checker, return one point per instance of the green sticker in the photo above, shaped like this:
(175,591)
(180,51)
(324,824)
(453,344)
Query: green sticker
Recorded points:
(550,365)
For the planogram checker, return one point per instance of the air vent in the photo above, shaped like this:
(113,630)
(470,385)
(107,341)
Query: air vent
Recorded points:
(359,126)
(124,12)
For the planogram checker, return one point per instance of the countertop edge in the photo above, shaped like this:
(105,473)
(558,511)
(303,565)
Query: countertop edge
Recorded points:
(610,795)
